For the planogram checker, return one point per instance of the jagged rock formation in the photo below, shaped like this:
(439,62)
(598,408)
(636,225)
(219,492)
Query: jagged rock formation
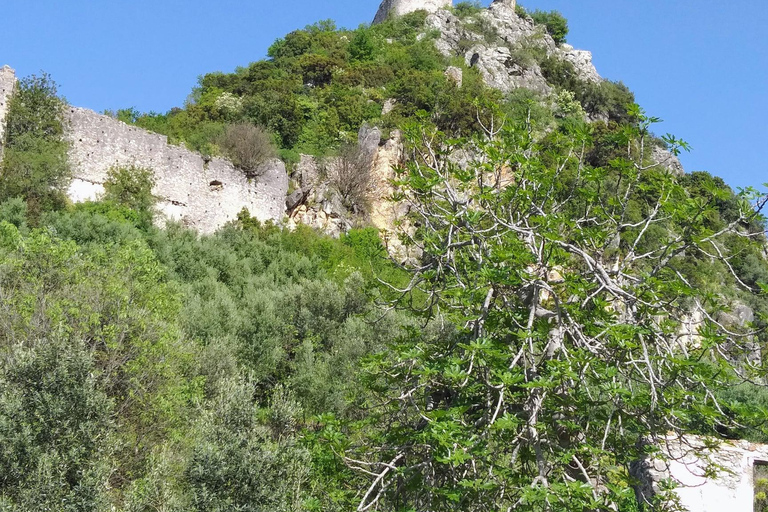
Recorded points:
(7,84)
(316,203)
(203,195)
(399,7)
(499,53)
(667,160)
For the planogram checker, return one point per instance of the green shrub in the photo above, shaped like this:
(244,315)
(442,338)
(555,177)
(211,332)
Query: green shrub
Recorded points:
(54,428)
(467,8)
(237,465)
(248,146)
(131,187)
(605,98)
(554,22)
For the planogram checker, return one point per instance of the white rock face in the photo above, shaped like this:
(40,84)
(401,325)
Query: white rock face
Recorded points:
(80,191)
(399,7)
(501,60)
(667,160)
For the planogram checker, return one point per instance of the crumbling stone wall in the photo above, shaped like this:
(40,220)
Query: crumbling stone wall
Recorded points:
(203,195)
(732,489)
(7,84)
(399,7)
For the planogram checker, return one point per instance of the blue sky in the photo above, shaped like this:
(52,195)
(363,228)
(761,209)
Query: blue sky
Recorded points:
(700,65)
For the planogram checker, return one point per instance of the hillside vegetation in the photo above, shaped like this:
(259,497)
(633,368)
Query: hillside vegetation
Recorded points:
(535,351)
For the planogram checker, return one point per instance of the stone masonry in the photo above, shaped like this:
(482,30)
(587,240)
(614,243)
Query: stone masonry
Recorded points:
(7,84)
(399,7)
(732,489)
(203,195)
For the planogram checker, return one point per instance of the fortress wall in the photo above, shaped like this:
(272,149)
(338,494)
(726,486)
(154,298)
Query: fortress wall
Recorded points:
(7,84)
(400,7)
(732,489)
(203,195)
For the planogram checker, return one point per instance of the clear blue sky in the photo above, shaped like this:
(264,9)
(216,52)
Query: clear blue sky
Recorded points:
(700,65)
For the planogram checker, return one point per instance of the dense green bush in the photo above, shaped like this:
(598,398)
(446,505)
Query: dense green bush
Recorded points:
(131,188)
(237,463)
(55,425)
(464,9)
(605,98)
(554,22)
(248,146)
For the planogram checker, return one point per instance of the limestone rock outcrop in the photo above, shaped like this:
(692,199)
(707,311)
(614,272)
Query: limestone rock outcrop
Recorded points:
(399,7)
(667,160)
(499,53)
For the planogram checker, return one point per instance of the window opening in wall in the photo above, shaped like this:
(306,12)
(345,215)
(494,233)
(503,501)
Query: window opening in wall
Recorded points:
(760,484)
(216,185)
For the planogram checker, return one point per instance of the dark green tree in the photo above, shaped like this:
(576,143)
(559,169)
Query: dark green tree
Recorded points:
(35,164)
(554,22)
(131,187)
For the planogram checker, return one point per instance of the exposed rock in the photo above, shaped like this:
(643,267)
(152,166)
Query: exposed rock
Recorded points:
(690,325)
(667,160)
(386,215)
(382,171)
(500,71)
(501,59)
(294,199)
(740,315)
(399,7)
(368,140)
(389,106)
(319,220)
(455,75)
(581,60)
(307,172)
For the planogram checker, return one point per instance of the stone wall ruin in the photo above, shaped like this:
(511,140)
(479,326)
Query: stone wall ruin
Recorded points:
(201,194)
(400,7)
(7,84)
(731,490)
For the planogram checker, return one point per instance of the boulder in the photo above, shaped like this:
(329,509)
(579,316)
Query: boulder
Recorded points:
(455,75)
(665,159)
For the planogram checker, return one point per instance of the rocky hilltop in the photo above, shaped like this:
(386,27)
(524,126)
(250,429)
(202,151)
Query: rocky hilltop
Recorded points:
(496,51)
(205,193)
(566,314)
